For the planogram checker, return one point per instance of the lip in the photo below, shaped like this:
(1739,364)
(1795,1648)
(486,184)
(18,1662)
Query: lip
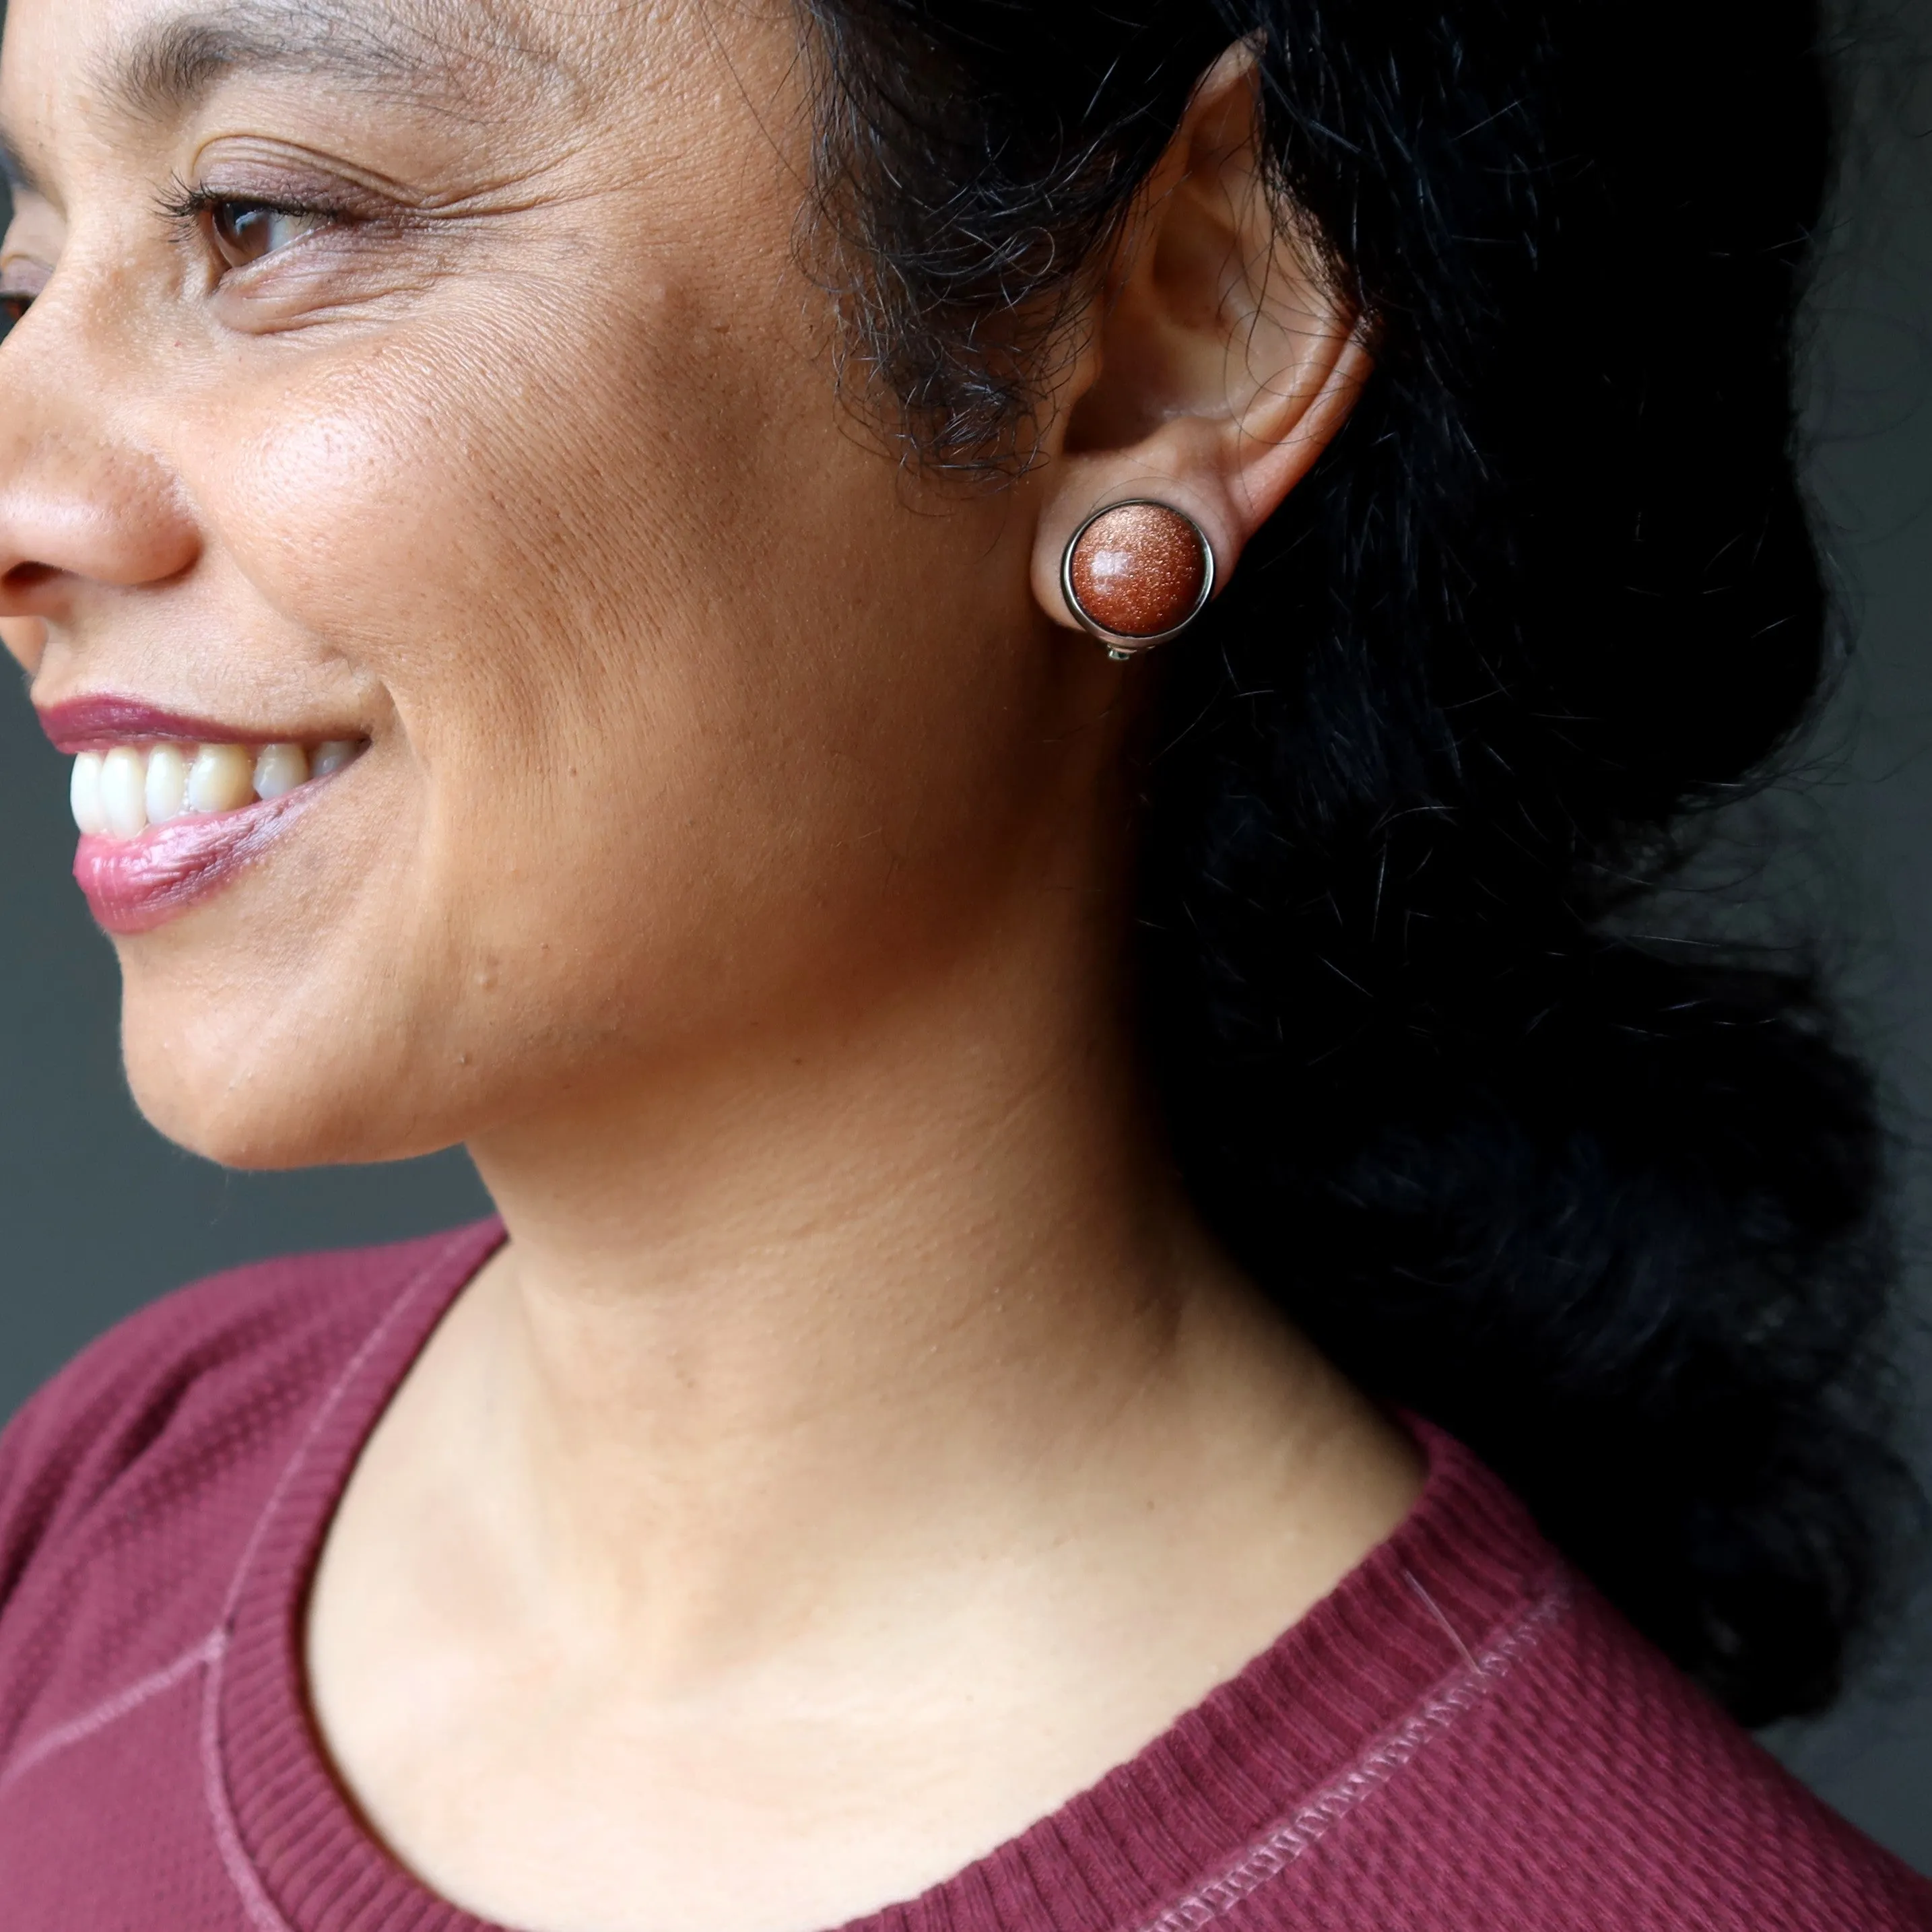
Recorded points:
(100,722)
(134,885)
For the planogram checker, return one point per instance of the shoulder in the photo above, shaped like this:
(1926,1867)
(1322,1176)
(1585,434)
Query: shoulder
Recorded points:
(208,1366)
(1578,1778)
(1465,1735)
(125,1478)
(1607,1779)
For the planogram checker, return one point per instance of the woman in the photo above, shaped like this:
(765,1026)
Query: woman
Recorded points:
(600,566)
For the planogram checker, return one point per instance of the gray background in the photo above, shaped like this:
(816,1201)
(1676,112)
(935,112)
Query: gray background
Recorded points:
(100,1213)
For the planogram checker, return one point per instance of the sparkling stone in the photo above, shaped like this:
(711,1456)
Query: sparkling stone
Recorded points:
(1137,570)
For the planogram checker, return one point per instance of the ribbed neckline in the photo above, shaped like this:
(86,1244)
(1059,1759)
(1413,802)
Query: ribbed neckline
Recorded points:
(1465,1563)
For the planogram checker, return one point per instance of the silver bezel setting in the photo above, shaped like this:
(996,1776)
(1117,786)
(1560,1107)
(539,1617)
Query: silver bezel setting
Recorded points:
(1120,646)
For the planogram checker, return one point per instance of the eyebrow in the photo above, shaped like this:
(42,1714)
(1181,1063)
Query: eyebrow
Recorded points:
(163,71)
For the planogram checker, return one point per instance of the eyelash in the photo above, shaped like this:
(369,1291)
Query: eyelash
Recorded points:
(187,210)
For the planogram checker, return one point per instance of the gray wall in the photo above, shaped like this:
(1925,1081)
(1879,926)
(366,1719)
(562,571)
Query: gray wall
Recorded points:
(100,1213)
(1863,809)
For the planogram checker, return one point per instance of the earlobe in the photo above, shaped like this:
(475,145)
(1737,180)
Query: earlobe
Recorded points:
(1222,364)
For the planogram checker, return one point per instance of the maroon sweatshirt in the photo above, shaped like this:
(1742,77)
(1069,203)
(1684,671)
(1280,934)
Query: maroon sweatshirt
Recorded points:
(1463,1737)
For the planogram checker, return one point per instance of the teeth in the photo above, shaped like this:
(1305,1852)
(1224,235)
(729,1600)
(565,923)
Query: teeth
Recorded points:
(333,756)
(88,813)
(167,784)
(279,770)
(123,791)
(222,778)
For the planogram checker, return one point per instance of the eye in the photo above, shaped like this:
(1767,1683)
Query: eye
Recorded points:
(247,232)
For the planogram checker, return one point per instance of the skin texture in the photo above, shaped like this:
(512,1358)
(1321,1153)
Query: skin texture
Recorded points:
(739,866)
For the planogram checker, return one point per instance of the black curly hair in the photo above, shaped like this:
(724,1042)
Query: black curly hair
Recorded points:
(1613,1216)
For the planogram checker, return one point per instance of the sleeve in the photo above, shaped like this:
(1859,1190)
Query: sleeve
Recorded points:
(81,1432)
(57,1455)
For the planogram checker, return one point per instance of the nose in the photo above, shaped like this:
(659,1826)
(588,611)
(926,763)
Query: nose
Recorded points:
(77,509)
(26,641)
(85,505)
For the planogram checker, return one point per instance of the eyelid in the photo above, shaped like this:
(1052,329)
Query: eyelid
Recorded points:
(184,204)
(273,176)
(190,210)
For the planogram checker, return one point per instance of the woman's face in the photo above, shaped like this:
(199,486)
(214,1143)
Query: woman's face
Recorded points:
(436,376)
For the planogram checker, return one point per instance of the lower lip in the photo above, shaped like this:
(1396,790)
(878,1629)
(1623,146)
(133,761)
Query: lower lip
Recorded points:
(134,885)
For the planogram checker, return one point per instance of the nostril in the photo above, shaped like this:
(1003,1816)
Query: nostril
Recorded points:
(24,577)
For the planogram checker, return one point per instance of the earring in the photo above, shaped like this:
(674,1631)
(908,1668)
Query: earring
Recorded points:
(1136,573)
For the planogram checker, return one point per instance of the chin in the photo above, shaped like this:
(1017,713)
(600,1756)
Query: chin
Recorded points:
(246,1130)
(266,1110)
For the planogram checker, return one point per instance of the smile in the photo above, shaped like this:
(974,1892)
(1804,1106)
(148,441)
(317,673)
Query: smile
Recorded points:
(120,794)
(173,810)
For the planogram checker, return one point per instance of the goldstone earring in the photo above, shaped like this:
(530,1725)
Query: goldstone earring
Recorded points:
(1136,573)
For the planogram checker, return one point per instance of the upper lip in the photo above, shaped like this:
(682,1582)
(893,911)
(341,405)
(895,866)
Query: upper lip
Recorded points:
(105,719)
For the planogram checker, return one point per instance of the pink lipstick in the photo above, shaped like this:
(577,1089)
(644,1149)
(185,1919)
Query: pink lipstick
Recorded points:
(170,808)
(133,885)
(98,723)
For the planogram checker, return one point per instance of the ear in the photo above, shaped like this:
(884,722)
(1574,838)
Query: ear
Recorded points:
(1220,365)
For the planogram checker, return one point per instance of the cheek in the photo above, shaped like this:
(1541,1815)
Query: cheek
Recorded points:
(368,507)
(464,497)
(612,581)
(661,753)
(453,519)
(605,747)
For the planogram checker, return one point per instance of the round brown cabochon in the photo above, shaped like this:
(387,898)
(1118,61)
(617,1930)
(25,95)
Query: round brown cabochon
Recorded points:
(1137,570)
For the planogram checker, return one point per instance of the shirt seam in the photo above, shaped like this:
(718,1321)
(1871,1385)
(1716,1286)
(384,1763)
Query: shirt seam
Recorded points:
(250,1888)
(209,1651)
(324,1413)
(97,1718)
(244,1873)
(1293,1836)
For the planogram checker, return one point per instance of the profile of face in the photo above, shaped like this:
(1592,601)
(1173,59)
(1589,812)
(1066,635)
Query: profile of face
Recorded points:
(433,393)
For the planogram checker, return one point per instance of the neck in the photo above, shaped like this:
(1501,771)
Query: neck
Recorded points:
(837,1288)
(857,1401)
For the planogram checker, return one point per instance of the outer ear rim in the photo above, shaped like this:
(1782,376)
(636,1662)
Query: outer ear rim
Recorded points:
(1228,472)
